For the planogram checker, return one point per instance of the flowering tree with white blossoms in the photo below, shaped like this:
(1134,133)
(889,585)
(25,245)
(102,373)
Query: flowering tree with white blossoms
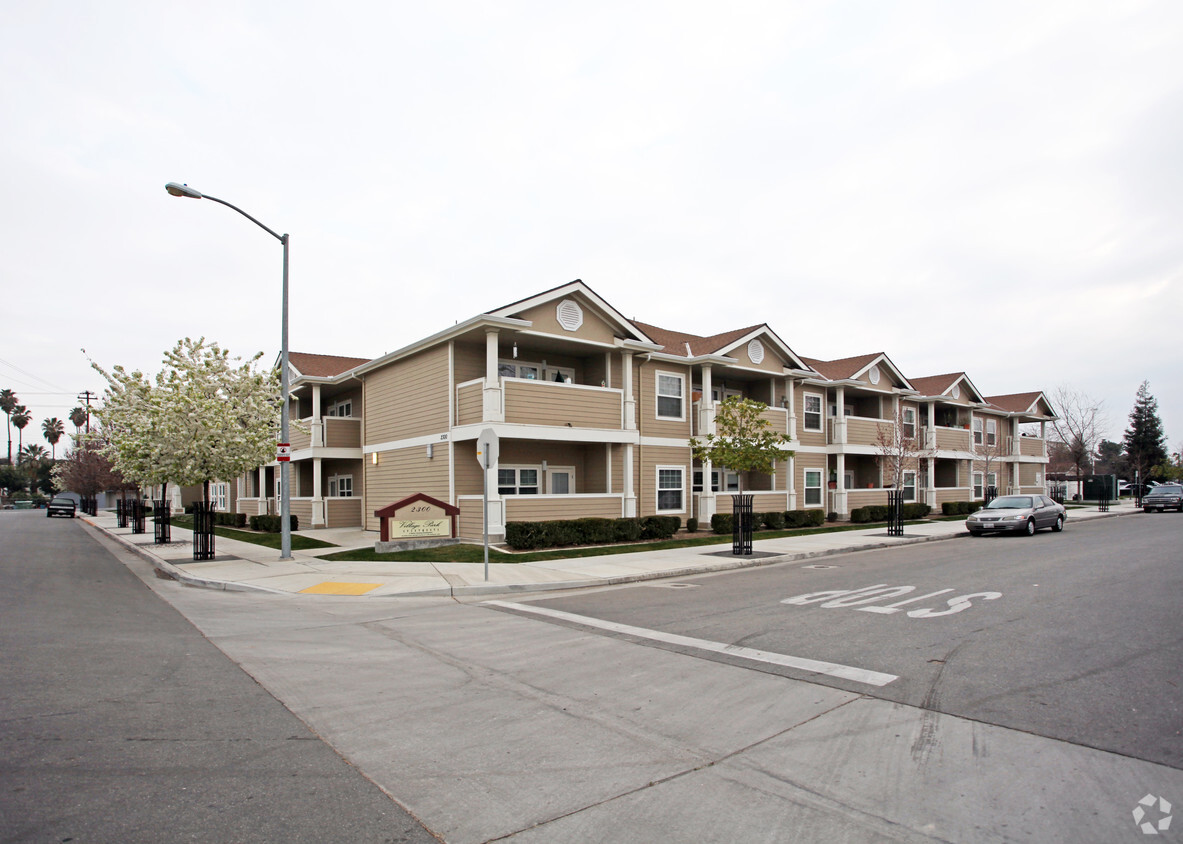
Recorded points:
(207,416)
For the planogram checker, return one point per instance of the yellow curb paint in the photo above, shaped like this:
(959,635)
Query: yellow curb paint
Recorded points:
(331,588)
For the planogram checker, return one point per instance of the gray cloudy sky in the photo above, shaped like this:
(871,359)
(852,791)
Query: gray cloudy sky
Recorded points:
(995,188)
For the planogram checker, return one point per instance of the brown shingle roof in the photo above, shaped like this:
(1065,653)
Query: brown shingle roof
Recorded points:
(837,370)
(675,342)
(1014,402)
(322,366)
(935,385)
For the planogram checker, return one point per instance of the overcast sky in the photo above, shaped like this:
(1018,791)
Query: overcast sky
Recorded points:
(995,188)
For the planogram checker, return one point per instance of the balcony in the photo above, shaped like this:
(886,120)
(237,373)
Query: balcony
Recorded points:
(861,430)
(528,402)
(334,432)
(951,439)
(1032,447)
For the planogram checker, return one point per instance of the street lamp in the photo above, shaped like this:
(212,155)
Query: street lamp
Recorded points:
(285,501)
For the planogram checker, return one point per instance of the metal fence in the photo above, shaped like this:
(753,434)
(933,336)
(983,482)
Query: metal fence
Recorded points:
(162,521)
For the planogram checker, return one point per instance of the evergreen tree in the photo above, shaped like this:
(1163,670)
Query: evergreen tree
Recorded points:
(1144,441)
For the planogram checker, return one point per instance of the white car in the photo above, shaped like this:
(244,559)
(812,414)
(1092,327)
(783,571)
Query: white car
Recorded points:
(1017,514)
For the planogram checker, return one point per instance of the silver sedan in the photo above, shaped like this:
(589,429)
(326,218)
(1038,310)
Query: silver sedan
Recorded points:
(1017,514)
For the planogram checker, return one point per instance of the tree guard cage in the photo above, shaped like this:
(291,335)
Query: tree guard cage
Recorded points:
(162,521)
(203,531)
(121,512)
(741,528)
(895,512)
(137,516)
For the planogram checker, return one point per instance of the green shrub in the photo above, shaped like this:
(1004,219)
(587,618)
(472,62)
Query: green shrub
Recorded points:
(659,527)
(273,524)
(523,536)
(832,516)
(692,524)
(594,531)
(773,521)
(723,523)
(916,510)
(626,530)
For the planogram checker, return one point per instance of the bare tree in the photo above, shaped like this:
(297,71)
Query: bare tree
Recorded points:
(986,452)
(1081,424)
(898,449)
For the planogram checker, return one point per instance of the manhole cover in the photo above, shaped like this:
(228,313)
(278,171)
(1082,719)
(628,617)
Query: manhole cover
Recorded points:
(672,585)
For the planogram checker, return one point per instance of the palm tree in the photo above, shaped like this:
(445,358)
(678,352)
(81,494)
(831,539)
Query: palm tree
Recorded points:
(54,430)
(8,402)
(20,417)
(31,456)
(78,418)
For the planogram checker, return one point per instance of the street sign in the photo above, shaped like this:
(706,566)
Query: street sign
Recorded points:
(283,452)
(487,448)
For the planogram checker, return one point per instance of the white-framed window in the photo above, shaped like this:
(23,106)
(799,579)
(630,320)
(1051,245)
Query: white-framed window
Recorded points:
(991,431)
(717,481)
(517,480)
(909,486)
(992,480)
(978,492)
(847,409)
(341,486)
(813,412)
(909,415)
(977,431)
(670,488)
(219,496)
(670,393)
(813,487)
(513,369)
(341,408)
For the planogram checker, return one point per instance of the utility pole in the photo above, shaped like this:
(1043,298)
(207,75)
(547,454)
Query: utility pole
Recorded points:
(86,396)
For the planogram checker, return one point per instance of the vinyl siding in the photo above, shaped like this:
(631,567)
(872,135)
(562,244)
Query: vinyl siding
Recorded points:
(401,473)
(541,403)
(408,398)
(645,389)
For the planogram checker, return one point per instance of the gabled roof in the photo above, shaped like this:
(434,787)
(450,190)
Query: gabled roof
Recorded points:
(611,315)
(1021,403)
(940,385)
(686,345)
(322,366)
(848,369)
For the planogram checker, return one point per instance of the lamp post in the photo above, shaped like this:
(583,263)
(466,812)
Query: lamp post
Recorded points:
(285,501)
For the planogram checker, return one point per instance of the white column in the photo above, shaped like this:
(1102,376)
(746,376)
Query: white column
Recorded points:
(840,498)
(792,484)
(630,403)
(840,416)
(630,495)
(607,369)
(790,392)
(707,418)
(494,409)
(317,421)
(264,492)
(318,503)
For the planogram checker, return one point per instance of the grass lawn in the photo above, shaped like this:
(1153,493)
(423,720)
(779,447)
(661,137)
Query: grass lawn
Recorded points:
(476,553)
(267,540)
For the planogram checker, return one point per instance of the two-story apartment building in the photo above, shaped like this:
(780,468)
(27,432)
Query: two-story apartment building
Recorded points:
(594,414)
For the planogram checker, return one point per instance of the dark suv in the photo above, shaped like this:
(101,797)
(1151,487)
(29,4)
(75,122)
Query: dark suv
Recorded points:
(60,507)
(1164,497)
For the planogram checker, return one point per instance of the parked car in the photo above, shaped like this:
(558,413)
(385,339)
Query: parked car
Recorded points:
(60,507)
(1164,497)
(1017,514)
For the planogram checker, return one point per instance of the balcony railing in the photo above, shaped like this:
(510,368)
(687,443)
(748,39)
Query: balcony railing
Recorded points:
(529,402)
(335,432)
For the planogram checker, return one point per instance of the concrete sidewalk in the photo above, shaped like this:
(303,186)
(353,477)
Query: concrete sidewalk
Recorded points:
(247,567)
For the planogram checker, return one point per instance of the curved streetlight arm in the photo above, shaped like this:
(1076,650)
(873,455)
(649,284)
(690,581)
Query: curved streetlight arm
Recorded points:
(184,190)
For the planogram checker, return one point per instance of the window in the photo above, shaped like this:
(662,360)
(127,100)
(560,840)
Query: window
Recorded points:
(909,486)
(341,408)
(992,480)
(910,422)
(977,431)
(341,486)
(991,431)
(813,413)
(669,396)
(714,480)
(669,489)
(517,481)
(560,481)
(813,485)
(219,495)
(512,369)
(977,484)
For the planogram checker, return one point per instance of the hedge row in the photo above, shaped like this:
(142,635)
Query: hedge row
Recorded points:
(230,519)
(724,523)
(961,508)
(272,524)
(523,536)
(879,512)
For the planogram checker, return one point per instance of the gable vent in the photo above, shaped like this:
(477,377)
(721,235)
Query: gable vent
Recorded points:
(569,314)
(756,351)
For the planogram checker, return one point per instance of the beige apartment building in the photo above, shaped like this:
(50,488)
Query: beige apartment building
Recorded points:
(594,413)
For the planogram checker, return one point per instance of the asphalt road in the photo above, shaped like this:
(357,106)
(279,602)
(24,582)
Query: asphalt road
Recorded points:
(120,722)
(1076,636)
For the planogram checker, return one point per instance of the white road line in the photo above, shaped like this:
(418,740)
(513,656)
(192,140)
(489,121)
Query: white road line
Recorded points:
(814,666)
